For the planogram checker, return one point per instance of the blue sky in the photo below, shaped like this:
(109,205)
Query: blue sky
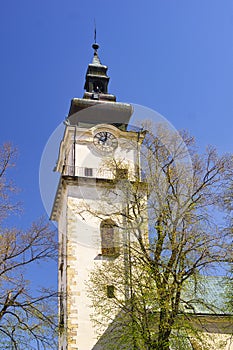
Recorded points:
(174,56)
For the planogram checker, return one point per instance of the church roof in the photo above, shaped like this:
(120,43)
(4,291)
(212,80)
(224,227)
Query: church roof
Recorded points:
(207,296)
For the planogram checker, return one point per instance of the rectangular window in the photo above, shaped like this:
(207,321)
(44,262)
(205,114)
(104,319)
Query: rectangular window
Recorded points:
(110,292)
(107,235)
(88,171)
(109,239)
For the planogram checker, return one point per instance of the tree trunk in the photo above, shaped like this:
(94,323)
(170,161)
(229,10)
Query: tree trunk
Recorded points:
(163,339)
(165,328)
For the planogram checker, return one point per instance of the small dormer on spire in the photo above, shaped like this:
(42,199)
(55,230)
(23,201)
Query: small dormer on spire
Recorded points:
(96,83)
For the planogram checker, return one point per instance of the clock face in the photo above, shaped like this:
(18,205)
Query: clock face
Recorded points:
(105,141)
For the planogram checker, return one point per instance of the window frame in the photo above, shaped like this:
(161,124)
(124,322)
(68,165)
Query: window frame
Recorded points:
(109,238)
(88,172)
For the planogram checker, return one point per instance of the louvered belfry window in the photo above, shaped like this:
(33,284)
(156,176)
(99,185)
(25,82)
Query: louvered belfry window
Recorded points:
(109,244)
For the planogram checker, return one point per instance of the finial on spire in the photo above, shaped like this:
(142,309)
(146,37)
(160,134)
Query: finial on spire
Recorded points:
(95,46)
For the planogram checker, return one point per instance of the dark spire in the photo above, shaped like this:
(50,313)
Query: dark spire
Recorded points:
(95,46)
(94,32)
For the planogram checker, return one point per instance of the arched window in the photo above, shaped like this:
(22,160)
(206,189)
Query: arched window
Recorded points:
(109,238)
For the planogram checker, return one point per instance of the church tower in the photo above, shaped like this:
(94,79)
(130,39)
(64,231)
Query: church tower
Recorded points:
(97,148)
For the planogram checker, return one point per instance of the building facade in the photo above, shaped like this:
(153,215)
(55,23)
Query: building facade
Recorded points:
(97,153)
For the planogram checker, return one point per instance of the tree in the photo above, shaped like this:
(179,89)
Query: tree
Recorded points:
(158,282)
(27,316)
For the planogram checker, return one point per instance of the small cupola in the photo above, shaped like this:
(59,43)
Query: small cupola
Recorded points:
(96,82)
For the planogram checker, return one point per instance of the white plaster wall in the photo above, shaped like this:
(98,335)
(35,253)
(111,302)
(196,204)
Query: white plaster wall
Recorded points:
(86,156)
(83,247)
(79,230)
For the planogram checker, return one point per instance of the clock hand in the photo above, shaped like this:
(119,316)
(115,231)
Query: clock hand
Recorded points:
(104,138)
